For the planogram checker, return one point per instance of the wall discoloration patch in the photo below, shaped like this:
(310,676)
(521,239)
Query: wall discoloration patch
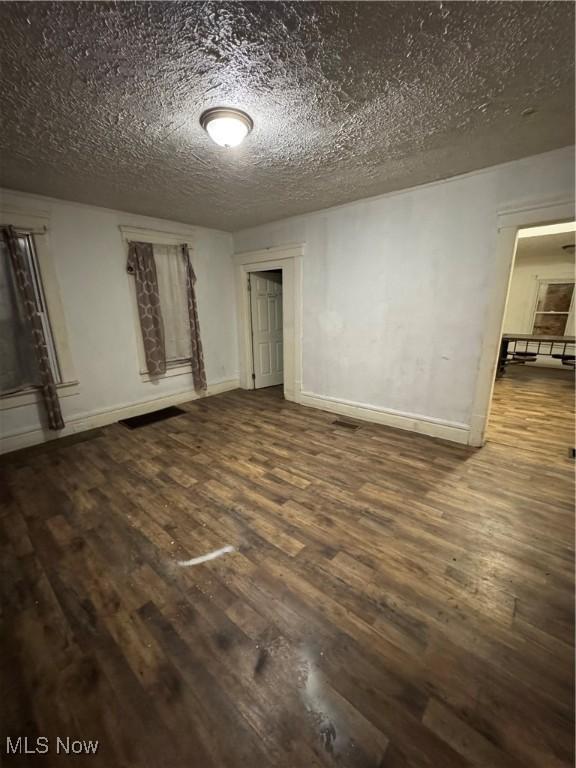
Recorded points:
(100,101)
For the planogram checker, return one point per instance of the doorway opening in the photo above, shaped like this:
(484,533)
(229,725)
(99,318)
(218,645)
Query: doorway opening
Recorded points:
(266,327)
(533,397)
(288,260)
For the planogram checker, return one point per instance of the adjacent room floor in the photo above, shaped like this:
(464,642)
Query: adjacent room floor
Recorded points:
(393,600)
(533,409)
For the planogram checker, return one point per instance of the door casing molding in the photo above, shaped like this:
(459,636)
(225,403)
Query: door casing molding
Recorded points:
(509,222)
(288,258)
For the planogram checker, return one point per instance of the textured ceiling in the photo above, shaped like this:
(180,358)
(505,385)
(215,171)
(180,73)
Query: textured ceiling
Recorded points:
(100,101)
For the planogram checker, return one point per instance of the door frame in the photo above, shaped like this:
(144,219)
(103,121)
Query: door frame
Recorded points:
(274,374)
(509,222)
(288,258)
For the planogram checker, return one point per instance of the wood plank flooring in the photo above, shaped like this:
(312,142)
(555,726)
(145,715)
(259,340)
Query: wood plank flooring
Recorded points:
(533,409)
(393,601)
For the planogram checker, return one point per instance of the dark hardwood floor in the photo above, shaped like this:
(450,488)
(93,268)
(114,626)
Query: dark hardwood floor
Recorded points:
(393,601)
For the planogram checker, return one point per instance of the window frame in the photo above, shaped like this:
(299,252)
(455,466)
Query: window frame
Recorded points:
(37,225)
(540,281)
(155,237)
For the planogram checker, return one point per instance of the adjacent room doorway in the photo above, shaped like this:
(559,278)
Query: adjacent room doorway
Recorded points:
(286,260)
(532,395)
(509,225)
(267,330)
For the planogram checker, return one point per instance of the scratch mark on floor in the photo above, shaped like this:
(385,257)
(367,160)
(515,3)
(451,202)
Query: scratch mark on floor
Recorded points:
(205,558)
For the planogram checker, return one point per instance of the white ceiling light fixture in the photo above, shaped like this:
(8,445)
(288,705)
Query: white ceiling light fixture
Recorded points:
(225,126)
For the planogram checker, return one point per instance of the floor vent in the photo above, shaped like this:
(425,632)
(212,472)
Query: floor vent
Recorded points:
(347,424)
(151,418)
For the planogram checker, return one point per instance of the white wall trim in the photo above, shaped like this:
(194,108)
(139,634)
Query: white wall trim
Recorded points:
(32,395)
(424,425)
(288,251)
(183,369)
(37,223)
(31,221)
(509,222)
(157,236)
(102,418)
(538,213)
(289,260)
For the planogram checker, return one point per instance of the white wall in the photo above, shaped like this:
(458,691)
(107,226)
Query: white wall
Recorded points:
(396,288)
(528,269)
(90,260)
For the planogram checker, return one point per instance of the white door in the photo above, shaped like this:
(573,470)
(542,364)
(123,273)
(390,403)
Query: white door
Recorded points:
(267,342)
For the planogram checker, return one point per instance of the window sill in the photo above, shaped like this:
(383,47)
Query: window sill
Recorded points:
(175,370)
(32,395)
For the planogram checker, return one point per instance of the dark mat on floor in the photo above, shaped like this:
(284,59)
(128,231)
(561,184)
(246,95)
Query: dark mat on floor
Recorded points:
(151,418)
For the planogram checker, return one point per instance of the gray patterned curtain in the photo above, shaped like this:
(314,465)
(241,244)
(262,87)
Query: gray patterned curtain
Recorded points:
(25,284)
(141,264)
(197,359)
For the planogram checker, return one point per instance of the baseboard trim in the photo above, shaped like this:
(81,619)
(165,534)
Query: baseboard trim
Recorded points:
(445,430)
(102,418)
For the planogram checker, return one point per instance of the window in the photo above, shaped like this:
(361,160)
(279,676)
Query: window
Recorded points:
(19,369)
(553,306)
(172,287)
(171,271)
